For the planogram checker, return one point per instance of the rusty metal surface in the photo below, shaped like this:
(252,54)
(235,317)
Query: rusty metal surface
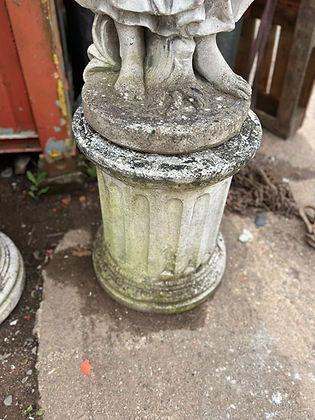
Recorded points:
(15,109)
(34,30)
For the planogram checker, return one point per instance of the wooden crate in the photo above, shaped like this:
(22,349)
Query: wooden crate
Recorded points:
(285,76)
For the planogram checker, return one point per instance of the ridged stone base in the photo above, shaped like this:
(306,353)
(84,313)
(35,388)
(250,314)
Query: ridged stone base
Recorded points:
(12,276)
(160,249)
(166,296)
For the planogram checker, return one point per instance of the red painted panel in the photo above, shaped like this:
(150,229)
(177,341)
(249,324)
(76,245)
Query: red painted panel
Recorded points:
(38,45)
(15,110)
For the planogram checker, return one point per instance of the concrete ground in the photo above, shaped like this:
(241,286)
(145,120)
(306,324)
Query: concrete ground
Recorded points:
(246,353)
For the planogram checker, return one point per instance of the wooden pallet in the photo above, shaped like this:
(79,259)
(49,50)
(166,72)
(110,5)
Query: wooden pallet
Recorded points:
(285,75)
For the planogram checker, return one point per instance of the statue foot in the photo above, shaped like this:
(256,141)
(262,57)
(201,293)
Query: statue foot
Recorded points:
(234,85)
(228,82)
(131,86)
(211,65)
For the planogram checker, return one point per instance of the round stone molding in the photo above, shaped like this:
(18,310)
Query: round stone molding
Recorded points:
(207,166)
(12,276)
(184,118)
(169,295)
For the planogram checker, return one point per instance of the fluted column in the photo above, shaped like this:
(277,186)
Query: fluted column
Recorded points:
(160,232)
(159,243)
(159,248)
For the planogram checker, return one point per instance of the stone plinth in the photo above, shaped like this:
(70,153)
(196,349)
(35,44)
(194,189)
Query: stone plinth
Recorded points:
(159,248)
(12,276)
(168,125)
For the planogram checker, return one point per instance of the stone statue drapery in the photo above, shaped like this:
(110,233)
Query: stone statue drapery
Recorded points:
(186,18)
(157,41)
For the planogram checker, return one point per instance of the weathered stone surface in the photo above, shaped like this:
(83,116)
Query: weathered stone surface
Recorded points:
(182,118)
(169,296)
(167,73)
(12,276)
(191,18)
(160,248)
(208,166)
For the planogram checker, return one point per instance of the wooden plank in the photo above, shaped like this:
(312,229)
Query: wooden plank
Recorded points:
(285,13)
(15,109)
(264,69)
(244,46)
(298,62)
(285,43)
(282,111)
(308,81)
(267,103)
(270,123)
(38,44)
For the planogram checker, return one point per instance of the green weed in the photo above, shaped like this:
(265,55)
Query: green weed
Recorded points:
(37,189)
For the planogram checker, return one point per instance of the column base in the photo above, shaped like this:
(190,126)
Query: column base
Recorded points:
(159,249)
(168,295)
(12,276)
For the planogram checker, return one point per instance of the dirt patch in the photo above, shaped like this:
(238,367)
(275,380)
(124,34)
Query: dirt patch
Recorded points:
(36,227)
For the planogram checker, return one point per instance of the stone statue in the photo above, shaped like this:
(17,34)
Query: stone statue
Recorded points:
(155,69)
(167,123)
(158,41)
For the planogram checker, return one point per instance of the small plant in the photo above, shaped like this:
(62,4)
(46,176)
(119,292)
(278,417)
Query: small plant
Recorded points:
(28,410)
(40,412)
(32,412)
(36,189)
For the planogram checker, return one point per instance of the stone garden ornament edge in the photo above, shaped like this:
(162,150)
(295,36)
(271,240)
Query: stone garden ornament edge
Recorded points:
(12,276)
(207,166)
